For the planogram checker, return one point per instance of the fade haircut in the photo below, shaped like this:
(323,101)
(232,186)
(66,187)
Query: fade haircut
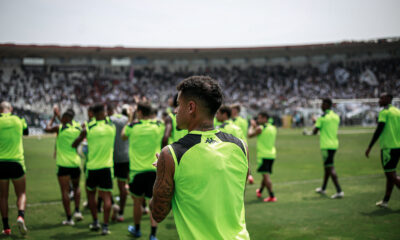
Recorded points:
(225,109)
(327,101)
(69,113)
(145,108)
(203,89)
(97,108)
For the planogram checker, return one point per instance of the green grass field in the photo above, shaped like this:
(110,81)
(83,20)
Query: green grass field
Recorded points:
(299,213)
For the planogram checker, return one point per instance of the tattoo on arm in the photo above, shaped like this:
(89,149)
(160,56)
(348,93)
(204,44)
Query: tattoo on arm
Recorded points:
(163,189)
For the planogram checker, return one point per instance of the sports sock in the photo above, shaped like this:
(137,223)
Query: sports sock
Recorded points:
(69,217)
(121,212)
(21,213)
(153,231)
(260,190)
(5,224)
(323,187)
(338,189)
(271,194)
(105,225)
(137,227)
(386,198)
(77,209)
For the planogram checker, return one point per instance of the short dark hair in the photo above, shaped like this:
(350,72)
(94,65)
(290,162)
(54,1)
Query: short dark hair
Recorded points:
(145,108)
(327,101)
(263,114)
(225,109)
(388,95)
(69,113)
(204,89)
(97,108)
(110,107)
(236,106)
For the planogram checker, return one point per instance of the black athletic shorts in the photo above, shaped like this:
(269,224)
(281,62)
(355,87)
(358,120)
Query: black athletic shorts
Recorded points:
(328,156)
(142,184)
(121,171)
(390,158)
(101,178)
(266,165)
(73,172)
(11,170)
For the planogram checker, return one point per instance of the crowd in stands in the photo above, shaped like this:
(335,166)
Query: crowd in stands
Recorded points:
(275,88)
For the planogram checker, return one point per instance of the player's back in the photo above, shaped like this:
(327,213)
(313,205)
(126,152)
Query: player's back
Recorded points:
(11,129)
(210,175)
(328,125)
(144,142)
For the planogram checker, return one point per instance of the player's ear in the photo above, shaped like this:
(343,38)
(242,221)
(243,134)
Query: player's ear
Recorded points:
(192,107)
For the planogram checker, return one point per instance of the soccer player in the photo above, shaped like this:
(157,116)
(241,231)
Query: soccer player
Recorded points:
(68,161)
(227,126)
(145,138)
(100,134)
(266,152)
(244,126)
(203,175)
(12,164)
(388,133)
(121,160)
(328,125)
(172,132)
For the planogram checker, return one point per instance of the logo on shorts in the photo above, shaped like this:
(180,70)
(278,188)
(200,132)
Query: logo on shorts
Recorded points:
(210,141)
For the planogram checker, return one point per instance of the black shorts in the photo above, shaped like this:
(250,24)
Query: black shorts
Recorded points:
(266,165)
(101,178)
(73,172)
(121,171)
(142,184)
(328,156)
(11,170)
(390,158)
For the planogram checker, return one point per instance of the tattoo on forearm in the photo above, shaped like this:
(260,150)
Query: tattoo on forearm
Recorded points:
(162,192)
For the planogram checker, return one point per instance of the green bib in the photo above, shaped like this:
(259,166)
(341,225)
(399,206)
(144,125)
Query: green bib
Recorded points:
(11,147)
(145,138)
(210,177)
(66,154)
(266,142)
(390,136)
(100,137)
(328,125)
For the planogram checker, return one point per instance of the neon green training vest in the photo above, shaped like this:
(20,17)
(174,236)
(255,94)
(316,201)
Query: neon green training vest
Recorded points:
(67,156)
(210,177)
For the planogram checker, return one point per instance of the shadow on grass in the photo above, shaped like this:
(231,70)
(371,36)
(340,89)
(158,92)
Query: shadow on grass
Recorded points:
(380,212)
(77,235)
(12,236)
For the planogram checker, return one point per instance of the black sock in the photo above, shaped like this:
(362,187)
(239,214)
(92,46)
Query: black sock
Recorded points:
(323,187)
(5,224)
(271,194)
(77,209)
(95,221)
(338,189)
(121,212)
(260,190)
(137,227)
(153,231)
(69,217)
(105,225)
(386,198)
(21,213)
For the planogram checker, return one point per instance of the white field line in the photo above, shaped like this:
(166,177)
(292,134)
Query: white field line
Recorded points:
(40,204)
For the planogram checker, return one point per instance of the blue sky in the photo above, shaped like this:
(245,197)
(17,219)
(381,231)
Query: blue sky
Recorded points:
(205,23)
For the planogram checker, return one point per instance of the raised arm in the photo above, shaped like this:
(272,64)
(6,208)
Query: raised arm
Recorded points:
(49,127)
(164,185)
(375,137)
(254,130)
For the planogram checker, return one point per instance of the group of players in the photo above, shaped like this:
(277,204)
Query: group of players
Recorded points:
(127,146)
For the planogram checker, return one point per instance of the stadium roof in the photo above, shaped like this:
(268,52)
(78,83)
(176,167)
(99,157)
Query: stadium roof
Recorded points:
(14,50)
